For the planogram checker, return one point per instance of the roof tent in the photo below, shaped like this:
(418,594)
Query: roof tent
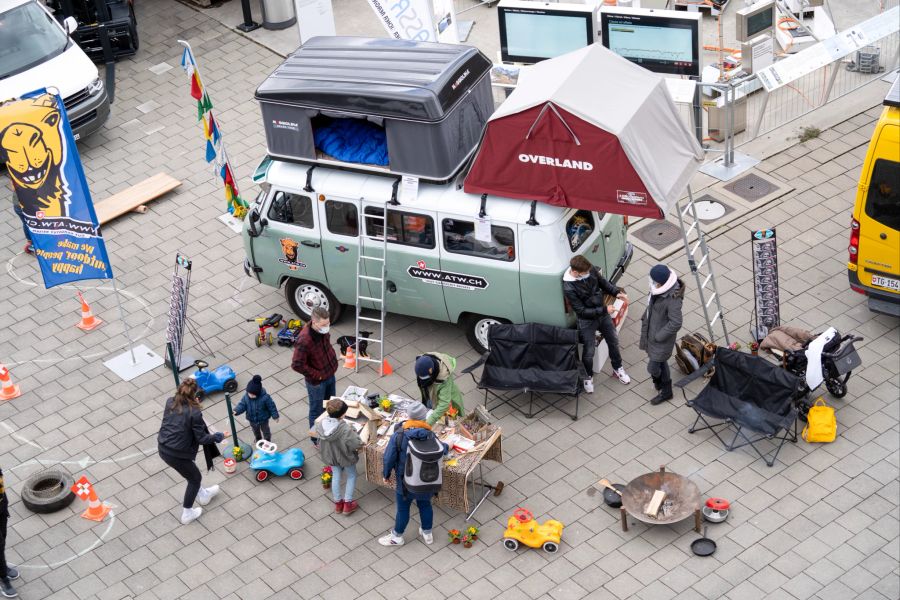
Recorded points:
(589,130)
(374,104)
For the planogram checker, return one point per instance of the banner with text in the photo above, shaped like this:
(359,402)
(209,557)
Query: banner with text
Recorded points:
(38,149)
(406,19)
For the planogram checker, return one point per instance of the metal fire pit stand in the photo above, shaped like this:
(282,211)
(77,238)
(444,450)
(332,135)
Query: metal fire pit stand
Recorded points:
(687,493)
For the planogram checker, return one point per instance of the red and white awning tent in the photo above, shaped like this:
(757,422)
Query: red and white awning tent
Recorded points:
(589,130)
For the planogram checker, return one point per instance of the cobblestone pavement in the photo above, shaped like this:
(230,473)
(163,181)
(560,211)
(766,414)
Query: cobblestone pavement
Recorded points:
(821,523)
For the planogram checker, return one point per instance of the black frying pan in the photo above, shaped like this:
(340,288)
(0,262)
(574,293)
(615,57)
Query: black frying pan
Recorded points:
(612,499)
(703,546)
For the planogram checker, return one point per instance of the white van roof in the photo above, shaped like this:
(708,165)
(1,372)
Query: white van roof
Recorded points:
(348,185)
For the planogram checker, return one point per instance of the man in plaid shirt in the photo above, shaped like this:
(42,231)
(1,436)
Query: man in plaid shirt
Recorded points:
(315,359)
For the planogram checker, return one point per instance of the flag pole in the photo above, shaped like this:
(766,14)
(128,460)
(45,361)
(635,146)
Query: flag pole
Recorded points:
(124,322)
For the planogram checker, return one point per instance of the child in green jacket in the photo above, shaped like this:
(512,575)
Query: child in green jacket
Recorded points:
(434,372)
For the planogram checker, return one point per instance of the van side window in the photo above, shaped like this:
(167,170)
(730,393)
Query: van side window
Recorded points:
(409,229)
(883,201)
(342,218)
(579,228)
(459,238)
(292,208)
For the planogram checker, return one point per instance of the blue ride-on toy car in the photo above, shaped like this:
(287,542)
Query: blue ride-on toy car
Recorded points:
(266,460)
(219,379)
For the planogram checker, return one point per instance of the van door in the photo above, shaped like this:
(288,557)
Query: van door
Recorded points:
(879,219)
(340,239)
(293,232)
(612,228)
(412,285)
(480,277)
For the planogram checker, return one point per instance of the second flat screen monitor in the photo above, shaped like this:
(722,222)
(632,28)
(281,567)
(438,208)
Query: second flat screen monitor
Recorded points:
(659,41)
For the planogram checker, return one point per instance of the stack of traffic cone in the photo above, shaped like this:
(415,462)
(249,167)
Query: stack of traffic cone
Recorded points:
(96,510)
(386,368)
(9,390)
(350,359)
(88,320)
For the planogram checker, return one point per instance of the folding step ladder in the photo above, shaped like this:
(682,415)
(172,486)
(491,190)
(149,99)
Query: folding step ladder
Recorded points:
(702,268)
(372,252)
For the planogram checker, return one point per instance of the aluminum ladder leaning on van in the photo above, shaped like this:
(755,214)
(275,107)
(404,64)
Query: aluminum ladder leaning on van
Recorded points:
(363,260)
(706,281)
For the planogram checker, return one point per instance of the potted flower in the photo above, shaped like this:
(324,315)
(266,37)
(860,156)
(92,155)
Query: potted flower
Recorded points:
(386,404)
(238,453)
(326,477)
(754,348)
(472,532)
(454,536)
(466,541)
(734,346)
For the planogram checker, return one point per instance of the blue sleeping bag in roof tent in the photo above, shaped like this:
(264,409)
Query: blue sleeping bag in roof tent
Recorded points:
(353,141)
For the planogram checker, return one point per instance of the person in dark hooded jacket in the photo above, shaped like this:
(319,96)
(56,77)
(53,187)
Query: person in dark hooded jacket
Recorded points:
(260,407)
(583,287)
(659,327)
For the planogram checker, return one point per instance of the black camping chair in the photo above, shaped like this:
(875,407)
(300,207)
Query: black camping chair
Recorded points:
(749,394)
(530,359)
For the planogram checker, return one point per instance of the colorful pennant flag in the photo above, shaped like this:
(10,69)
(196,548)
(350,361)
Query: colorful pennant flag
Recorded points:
(196,88)
(210,151)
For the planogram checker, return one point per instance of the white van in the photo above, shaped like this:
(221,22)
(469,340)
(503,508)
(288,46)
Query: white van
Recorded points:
(37,52)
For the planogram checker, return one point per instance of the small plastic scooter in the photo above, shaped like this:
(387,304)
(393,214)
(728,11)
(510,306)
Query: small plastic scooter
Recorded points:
(268,461)
(222,378)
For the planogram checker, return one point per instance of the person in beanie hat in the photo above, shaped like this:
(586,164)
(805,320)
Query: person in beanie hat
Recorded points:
(434,374)
(339,448)
(659,327)
(583,287)
(260,407)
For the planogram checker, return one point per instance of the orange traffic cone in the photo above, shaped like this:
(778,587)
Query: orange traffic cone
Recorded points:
(96,510)
(386,368)
(9,390)
(350,360)
(88,320)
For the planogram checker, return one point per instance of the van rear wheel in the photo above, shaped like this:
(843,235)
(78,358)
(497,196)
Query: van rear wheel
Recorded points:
(304,296)
(476,327)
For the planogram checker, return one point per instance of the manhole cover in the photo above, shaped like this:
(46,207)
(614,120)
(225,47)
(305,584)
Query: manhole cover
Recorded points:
(710,208)
(751,187)
(658,234)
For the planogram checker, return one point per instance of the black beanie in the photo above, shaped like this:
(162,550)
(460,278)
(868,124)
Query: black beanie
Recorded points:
(255,386)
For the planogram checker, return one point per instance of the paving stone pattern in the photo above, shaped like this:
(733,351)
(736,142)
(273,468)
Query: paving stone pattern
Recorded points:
(821,523)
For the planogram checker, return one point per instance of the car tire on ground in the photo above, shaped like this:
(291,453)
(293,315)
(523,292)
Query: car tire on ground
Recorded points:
(48,491)
(476,327)
(303,296)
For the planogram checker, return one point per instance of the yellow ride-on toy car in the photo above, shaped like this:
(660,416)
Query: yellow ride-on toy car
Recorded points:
(522,528)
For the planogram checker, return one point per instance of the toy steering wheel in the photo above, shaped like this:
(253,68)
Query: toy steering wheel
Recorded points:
(201,364)
(523,515)
(266,446)
(718,503)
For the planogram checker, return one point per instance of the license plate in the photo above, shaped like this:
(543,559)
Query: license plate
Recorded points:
(886,282)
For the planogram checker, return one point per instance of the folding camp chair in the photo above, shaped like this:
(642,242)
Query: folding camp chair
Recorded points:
(750,395)
(530,359)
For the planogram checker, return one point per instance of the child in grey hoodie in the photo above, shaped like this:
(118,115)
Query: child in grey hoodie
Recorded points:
(339,448)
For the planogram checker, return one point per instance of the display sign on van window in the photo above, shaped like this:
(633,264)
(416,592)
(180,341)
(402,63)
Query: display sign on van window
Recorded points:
(462,281)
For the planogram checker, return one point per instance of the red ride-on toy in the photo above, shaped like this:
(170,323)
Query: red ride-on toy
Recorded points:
(264,336)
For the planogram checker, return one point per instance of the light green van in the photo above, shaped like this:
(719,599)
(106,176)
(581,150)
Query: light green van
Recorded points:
(302,234)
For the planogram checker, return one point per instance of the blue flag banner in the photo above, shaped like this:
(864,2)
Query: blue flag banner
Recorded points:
(37,146)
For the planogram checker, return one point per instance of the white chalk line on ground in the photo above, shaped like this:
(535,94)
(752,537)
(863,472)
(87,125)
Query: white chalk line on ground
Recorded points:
(13,433)
(10,268)
(97,542)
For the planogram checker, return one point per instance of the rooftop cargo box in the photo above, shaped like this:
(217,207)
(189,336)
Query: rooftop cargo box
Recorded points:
(430,101)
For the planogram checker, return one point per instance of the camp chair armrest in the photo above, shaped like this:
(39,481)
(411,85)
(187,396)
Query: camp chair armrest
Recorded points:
(695,375)
(477,364)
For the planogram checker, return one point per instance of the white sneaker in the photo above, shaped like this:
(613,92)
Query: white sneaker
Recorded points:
(426,535)
(207,494)
(589,386)
(622,376)
(391,539)
(190,514)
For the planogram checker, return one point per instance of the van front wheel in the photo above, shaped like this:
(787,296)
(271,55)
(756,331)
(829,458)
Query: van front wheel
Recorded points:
(477,330)
(304,296)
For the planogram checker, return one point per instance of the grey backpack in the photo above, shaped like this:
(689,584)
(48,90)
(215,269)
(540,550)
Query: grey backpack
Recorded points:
(422,472)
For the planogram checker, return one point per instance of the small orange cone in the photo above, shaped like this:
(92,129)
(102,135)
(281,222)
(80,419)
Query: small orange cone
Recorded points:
(386,368)
(96,510)
(88,320)
(9,390)
(350,360)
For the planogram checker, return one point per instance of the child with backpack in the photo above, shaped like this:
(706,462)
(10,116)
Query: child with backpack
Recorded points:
(339,448)
(414,454)
(260,407)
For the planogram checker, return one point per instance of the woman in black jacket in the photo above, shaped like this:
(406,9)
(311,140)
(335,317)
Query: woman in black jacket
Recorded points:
(180,436)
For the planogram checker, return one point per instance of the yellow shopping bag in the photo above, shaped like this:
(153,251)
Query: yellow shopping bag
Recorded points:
(821,425)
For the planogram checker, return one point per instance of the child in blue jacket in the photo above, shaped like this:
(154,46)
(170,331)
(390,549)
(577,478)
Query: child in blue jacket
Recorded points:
(260,407)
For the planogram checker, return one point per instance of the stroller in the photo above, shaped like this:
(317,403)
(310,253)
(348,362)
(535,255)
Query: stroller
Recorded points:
(837,359)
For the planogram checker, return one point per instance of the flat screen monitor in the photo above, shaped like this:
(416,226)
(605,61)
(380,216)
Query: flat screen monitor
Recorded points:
(754,20)
(662,41)
(534,31)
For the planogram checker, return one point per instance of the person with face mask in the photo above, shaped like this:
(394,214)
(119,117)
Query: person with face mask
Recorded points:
(316,360)
(584,287)
(659,327)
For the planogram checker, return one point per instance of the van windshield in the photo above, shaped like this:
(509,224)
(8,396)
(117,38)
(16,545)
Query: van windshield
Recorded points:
(28,37)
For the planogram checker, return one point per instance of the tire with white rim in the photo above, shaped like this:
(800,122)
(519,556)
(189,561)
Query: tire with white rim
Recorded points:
(477,330)
(304,296)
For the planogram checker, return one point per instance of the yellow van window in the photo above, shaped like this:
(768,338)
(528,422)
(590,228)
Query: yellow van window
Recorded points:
(459,238)
(883,201)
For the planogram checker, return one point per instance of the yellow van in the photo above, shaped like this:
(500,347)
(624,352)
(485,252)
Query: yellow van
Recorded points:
(874,264)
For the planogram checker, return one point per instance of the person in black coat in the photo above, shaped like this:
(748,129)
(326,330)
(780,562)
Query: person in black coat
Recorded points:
(181,434)
(584,287)
(7,571)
